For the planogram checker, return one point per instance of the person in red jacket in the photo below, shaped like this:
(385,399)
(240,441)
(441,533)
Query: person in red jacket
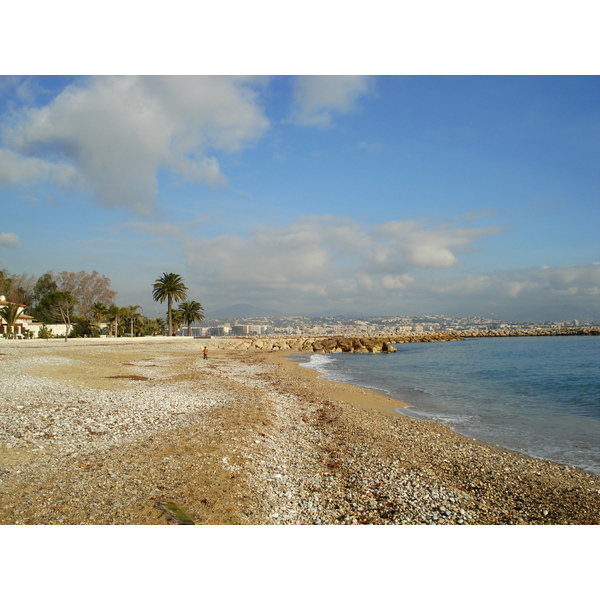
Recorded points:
(205,352)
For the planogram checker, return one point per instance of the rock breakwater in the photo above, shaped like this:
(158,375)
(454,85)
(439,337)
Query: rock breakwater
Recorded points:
(311,344)
(549,331)
(377,344)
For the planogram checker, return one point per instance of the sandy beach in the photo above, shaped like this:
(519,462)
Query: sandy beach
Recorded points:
(144,431)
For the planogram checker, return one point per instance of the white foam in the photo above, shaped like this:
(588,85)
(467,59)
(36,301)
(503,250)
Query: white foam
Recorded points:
(317,361)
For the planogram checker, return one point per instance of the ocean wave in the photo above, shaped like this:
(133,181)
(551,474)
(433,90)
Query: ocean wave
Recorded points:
(317,361)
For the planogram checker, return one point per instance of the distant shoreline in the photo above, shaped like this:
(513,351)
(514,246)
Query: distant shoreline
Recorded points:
(304,343)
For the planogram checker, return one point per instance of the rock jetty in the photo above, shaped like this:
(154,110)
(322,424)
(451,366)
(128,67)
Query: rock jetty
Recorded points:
(329,344)
(333,343)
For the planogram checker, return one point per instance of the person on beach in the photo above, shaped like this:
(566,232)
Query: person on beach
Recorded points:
(205,352)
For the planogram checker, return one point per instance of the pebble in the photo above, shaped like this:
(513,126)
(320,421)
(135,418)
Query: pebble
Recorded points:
(317,462)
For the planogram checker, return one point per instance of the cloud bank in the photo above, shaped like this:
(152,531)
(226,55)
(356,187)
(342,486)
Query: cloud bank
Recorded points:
(336,264)
(534,293)
(328,257)
(111,135)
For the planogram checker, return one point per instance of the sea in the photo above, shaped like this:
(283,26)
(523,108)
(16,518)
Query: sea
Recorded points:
(536,395)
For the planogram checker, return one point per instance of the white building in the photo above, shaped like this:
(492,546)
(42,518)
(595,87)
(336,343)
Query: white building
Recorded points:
(23,324)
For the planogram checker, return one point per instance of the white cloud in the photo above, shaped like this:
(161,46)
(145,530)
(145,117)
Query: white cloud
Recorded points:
(16,169)
(326,256)
(117,132)
(535,293)
(317,97)
(112,135)
(271,257)
(400,267)
(402,243)
(10,240)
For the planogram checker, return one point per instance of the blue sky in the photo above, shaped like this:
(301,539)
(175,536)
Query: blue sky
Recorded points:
(374,195)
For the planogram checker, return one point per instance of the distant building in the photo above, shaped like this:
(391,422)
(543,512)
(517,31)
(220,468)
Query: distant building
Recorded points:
(23,325)
(220,331)
(240,330)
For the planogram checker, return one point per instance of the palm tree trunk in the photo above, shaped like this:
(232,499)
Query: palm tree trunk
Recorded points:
(169,302)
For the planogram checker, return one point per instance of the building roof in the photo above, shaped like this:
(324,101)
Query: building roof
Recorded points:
(22,315)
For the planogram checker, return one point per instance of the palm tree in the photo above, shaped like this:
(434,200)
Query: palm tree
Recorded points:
(99,313)
(141,325)
(112,314)
(191,312)
(169,287)
(10,313)
(160,325)
(131,313)
(176,320)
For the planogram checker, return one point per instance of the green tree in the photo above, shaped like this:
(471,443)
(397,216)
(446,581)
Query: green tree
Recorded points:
(169,287)
(191,312)
(44,286)
(10,313)
(83,327)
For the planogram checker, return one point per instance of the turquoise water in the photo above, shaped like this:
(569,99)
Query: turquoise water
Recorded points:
(536,395)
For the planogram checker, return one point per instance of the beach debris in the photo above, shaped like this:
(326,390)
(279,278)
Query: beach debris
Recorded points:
(176,513)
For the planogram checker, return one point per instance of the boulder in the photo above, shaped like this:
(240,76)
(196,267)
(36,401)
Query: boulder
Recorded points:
(329,344)
(345,345)
(373,345)
(387,347)
(356,344)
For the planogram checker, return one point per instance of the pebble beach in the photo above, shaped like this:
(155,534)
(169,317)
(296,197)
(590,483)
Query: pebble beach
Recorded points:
(144,431)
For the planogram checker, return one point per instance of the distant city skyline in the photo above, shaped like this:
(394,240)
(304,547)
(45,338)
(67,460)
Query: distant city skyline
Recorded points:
(349,326)
(365,195)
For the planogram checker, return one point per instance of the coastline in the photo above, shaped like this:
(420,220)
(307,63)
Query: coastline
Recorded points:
(110,433)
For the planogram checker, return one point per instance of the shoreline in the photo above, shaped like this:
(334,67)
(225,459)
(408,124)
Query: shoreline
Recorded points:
(407,406)
(364,398)
(493,460)
(113,433)
(373,400)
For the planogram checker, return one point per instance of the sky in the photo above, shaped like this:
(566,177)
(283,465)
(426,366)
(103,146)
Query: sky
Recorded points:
(356,195)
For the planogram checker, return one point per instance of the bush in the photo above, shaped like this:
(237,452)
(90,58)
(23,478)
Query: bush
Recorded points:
(44,333)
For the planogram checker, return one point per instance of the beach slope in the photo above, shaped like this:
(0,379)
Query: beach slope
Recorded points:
(147,432)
